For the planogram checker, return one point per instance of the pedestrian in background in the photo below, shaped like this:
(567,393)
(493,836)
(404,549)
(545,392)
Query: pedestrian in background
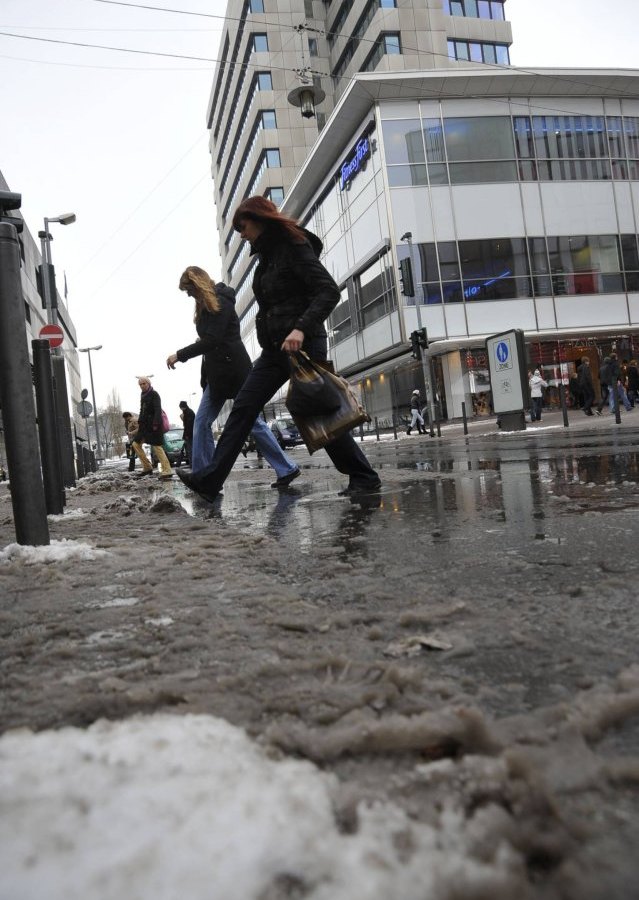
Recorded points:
(536,385)
(295,295)
(586,387)
(616,386)
(150,431)
(225,366)
(188,418)
(131,426)
(632,385)
(416,416)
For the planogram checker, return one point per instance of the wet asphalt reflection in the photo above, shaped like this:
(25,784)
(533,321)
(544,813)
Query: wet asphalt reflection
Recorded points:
(439,493)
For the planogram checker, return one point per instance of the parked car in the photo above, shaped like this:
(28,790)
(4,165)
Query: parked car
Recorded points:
(286,432)
(173,444)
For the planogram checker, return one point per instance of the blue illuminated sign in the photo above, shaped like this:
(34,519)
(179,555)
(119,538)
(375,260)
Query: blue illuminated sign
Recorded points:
(352,166)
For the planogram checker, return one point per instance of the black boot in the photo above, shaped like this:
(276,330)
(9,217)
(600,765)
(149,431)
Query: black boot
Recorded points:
(408,430)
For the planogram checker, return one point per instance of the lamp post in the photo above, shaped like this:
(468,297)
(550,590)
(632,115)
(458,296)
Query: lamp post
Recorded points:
(49,295)
(48,281)
(407,238)
(95,408)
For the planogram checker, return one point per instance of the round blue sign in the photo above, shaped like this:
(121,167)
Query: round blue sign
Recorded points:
(502,351)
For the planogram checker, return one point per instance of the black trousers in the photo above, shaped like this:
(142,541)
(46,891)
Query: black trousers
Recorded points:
(270,371)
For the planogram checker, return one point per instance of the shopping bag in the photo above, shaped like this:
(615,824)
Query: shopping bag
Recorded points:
(310,391)
(319,429)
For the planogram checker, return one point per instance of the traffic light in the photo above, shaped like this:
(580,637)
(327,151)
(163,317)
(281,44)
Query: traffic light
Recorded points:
(406,277)
(416,347)
(43,271)
(422,336)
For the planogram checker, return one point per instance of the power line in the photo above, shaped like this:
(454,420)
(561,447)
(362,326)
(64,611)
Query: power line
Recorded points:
(48,62)
(148,235)
(122,223)
(337,34)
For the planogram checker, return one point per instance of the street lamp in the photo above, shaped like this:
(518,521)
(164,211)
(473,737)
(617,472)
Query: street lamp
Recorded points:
(95,408)
(48,280)
(407,238)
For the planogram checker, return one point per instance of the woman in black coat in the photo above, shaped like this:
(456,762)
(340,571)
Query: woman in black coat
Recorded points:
(295,295)
(150,430)
(225,365)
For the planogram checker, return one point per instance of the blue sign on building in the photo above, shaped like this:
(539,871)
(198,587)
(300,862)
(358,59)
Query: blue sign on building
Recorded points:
(355,162)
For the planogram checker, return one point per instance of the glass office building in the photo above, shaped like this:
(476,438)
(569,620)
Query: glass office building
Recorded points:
(516,197)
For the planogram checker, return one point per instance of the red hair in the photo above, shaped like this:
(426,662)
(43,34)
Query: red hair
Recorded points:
(264,211)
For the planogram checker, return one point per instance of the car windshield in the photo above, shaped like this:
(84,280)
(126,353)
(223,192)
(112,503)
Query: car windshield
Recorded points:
(174,435)
(285,423)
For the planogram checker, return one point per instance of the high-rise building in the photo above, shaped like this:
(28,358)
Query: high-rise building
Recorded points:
(259,140)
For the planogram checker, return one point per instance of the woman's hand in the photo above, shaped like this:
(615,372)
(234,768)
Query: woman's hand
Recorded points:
(171,360)
(293,341)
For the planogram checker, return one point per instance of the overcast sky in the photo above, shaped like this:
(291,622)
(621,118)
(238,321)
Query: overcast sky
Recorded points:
(120,139)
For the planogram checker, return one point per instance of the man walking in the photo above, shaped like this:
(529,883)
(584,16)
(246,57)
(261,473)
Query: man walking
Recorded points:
(586,387)
(188,420)
(416,416)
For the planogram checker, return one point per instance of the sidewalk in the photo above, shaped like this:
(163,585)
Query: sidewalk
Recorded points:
(551,421)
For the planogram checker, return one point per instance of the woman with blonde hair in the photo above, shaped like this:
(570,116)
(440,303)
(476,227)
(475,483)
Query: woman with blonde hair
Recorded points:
(225,366)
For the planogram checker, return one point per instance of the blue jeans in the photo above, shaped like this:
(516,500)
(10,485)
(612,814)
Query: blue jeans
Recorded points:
(270,371)
(621,393)
(204,444)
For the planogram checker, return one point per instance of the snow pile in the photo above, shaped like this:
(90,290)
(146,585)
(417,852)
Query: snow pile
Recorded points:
(56,551)
(67,514)
(155,808)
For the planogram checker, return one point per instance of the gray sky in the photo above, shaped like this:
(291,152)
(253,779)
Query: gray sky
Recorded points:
(120,139)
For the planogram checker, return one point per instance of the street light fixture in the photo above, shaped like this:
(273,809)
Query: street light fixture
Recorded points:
(48,282)
(429,384)
(95,408)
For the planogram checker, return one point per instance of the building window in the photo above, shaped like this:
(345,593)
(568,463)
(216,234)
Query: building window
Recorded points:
(385,44)
(375,291)
(272,158)
(260,43)
(275,195)
(340,322)
(268,119)
(312,47)
(388,4)
(256,6)
(479,52)
(264,81)
(506,268)
(475,9)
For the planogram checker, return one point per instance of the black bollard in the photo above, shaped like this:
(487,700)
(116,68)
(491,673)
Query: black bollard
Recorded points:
(63,421)
(48,428)
(79,456)
(562,400)
(394,428)
(16,395)
(615,397)
(377,427)
(464,419)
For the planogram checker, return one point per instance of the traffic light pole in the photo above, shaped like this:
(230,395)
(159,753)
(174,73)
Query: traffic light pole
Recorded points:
(424,352)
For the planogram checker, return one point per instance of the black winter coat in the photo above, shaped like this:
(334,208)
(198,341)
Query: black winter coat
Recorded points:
(150,419)
(292,288)
(226,362)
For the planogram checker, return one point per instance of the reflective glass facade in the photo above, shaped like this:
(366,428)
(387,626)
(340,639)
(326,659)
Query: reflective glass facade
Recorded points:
(488,149)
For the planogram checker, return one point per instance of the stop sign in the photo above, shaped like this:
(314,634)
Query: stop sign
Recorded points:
(51,333)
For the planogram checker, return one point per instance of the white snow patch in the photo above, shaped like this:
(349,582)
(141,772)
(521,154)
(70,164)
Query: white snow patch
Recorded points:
(164,806)
(163,620)
(68,514)
(118,601)
(56,551)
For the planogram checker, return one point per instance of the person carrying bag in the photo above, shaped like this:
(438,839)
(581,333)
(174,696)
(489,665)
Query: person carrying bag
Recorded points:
(295,295)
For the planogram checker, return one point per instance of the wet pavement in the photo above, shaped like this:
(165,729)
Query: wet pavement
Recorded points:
(465,637)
